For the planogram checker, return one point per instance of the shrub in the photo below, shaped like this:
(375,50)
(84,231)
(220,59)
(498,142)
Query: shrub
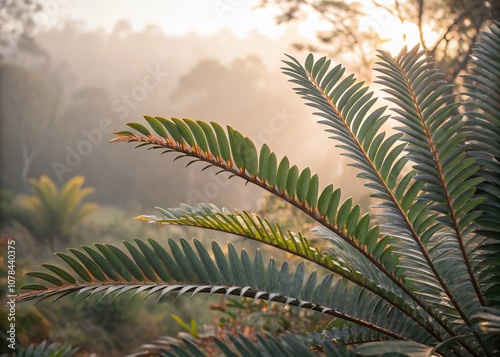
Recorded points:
(53,214)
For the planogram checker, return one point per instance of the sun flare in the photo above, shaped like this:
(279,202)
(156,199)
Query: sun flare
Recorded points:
(395,33)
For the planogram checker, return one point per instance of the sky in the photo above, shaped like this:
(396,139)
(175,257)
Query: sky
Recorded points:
(207,17)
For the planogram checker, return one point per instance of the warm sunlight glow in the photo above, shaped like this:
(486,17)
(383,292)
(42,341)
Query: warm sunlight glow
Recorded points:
(408,34)
(393,32)
(311,24)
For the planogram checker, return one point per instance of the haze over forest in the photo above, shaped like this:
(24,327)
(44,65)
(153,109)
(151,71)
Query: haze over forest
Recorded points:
(74,86)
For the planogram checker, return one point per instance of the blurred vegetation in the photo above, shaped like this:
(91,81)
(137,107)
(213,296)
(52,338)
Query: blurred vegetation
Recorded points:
(58,111)
(93,328)
(32,102)
(99,328)
(31,325)
(45,349)
(53,215)
(18,26)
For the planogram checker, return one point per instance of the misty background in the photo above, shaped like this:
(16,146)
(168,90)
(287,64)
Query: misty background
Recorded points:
(63,96)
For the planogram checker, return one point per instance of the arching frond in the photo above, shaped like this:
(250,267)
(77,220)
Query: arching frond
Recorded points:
(435,145)
(483,133)
(236,154)
(345,107)
(351,266)
(414,224)
(348,110)
(283,346)
(253,226)
(107,272)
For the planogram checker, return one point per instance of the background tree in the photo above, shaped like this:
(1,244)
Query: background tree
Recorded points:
(457,24)
(29,105)
(17,28)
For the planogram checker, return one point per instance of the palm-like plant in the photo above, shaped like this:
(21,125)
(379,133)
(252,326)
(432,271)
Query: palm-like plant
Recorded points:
(420,277)
(54,213)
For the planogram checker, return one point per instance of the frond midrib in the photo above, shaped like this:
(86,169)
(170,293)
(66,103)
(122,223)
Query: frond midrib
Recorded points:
(185,287)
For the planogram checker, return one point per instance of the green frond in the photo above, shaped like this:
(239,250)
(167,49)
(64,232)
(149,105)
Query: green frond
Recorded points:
(153,269)
(435,144)
(243,223)
(234,153)
(490,324)
(284,346)
(245,346)
(355,267)
(239,157)
(483,133)
(44,349)
(347,108)
(348,111)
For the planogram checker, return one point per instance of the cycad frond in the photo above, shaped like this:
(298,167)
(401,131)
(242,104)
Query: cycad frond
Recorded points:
(106,271)
(435,145)
(241,345)
(483,130)
(236,154)
(253,226)
(345,107)
(355,268)
(284,346)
